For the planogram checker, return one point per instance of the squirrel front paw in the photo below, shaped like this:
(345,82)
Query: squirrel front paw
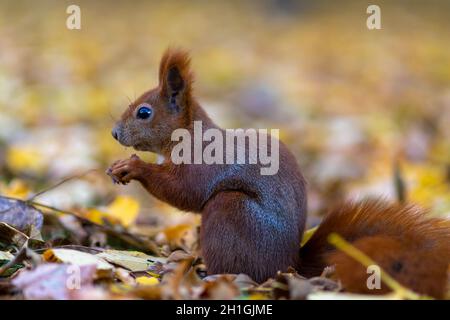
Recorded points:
(123,171)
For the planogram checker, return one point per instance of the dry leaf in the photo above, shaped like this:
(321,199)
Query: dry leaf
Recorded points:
(6,255)
(221,289)
(131,260)
(16,189)
(180,255)
(21,216)
(123,210)
(54,281)
(11,235)
(25,159)
(104,269)
(147,281)
(124,276)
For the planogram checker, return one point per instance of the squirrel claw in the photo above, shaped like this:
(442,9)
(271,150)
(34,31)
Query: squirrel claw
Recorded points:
(113,178)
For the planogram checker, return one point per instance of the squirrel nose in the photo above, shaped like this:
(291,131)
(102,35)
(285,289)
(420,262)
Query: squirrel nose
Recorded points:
(115,134)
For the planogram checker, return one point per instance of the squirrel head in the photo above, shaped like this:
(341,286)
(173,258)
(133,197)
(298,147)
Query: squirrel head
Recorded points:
(148,123)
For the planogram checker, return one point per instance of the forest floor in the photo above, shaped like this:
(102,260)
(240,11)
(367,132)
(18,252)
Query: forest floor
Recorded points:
(365,112)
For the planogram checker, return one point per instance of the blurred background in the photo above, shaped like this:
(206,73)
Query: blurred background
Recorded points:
(366,112)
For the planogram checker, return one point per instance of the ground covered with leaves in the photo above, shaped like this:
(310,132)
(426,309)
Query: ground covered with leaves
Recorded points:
(365,113)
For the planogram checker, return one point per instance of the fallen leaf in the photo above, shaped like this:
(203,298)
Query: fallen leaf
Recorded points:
(180,255)
(173,281)
(104,269)
(147,292)
(178,236)
(123,210)
(18,214)
(221,289)
(6,255)
(244,282)
(131,260)
(99,217)
(257,296)
(147,281)
(11,235)
(54,281)
(25,159)
(16,189)
(124,276)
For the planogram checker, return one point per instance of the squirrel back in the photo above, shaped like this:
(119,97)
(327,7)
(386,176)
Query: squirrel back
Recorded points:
(410,246)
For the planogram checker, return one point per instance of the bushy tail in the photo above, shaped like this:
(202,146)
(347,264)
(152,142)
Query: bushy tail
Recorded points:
(413,248)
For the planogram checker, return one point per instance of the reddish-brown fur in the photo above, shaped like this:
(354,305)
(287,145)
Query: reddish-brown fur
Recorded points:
(252,223)
(401,239)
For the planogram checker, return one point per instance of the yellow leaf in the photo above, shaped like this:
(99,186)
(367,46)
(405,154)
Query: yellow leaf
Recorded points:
(98,216)
(16,189)
(147,281)
(428,187)
(131,260)
(176,232)
(104,269)
(307,235)
(125,209)
(257,296)
(25,159)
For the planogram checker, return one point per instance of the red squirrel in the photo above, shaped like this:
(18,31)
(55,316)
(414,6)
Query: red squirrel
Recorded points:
(253,223)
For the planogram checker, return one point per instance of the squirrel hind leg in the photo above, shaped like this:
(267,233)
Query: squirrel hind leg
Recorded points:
(233,239)
(421,270)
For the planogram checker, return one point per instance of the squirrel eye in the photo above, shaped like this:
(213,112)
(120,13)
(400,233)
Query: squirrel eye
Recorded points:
(144,112)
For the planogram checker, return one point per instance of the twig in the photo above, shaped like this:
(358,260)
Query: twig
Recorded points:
(126,236)
(78,176)
(399,183)
(74,247)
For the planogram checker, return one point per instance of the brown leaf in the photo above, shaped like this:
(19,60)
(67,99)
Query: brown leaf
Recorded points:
(180,255)
(221,289)
(21,216)
(11,235)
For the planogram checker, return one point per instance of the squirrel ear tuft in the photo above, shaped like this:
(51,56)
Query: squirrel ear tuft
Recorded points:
(175,76)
